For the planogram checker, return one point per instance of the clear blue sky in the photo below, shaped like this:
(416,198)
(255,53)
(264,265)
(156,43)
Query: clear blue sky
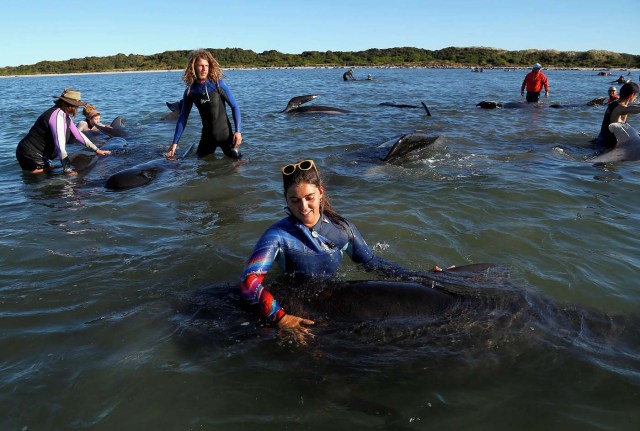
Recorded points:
(36,30)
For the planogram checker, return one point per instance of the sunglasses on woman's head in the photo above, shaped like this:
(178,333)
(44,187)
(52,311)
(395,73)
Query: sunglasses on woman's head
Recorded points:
(304,165)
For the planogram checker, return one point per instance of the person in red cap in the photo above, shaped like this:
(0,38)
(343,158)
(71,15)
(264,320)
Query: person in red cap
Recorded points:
(533,82)
(49,135)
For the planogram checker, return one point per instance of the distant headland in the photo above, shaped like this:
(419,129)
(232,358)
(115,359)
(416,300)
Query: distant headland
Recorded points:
(390,57)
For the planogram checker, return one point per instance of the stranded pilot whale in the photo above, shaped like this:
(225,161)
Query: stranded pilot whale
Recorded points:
(492,104)
(465,313)
(295,106)
(141,174)
(136,176)
(627,147)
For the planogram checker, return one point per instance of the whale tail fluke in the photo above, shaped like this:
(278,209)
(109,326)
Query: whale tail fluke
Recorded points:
(298,101)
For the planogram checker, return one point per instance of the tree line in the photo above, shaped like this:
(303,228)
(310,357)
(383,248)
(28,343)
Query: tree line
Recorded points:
(402,57)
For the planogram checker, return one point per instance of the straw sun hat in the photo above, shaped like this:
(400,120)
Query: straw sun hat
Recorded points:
(72,97)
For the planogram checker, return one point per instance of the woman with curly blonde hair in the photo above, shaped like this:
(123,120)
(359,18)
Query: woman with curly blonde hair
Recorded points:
(208,92)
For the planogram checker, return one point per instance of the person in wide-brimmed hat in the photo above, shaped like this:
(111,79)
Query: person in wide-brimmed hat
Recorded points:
(533,82)
(49,135)
(71,97)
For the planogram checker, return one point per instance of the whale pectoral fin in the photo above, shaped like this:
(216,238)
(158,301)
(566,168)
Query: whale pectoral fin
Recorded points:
(409,143)
(426,108)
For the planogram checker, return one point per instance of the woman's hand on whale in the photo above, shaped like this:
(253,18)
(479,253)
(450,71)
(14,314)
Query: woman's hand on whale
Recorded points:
(295,327)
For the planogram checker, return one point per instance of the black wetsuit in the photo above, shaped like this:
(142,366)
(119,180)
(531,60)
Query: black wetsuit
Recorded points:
(47,139)
(606,137)
(210,100)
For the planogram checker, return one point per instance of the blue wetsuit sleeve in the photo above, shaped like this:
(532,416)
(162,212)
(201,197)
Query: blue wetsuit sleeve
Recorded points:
(360,252)
(235,109)
(251,287)
(184,116)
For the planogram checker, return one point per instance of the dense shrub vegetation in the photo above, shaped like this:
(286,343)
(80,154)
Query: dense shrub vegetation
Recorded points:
(404,57)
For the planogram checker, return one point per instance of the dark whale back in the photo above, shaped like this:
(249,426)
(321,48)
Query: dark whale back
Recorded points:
(409,143)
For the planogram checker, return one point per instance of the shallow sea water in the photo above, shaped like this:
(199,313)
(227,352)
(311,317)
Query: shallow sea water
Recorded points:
(91,337)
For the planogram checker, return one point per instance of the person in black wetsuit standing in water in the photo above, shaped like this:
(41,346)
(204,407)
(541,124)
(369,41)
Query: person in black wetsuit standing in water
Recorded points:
(348,75)
(207,90)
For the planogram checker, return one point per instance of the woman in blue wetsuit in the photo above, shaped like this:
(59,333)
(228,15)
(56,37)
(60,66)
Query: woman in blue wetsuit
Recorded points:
(309,242)
(49,135)
(207,90)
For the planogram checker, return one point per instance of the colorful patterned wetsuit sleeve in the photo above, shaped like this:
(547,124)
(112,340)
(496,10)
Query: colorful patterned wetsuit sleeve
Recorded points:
(360,252)
(187,103)
(235,109)
(253,292)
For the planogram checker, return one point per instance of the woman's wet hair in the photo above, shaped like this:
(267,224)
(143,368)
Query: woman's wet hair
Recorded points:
(311,176)
(628,89)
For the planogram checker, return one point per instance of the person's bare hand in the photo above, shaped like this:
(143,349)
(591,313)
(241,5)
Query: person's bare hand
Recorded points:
(438,269)
(172,151)
(295,329)
(237,139)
